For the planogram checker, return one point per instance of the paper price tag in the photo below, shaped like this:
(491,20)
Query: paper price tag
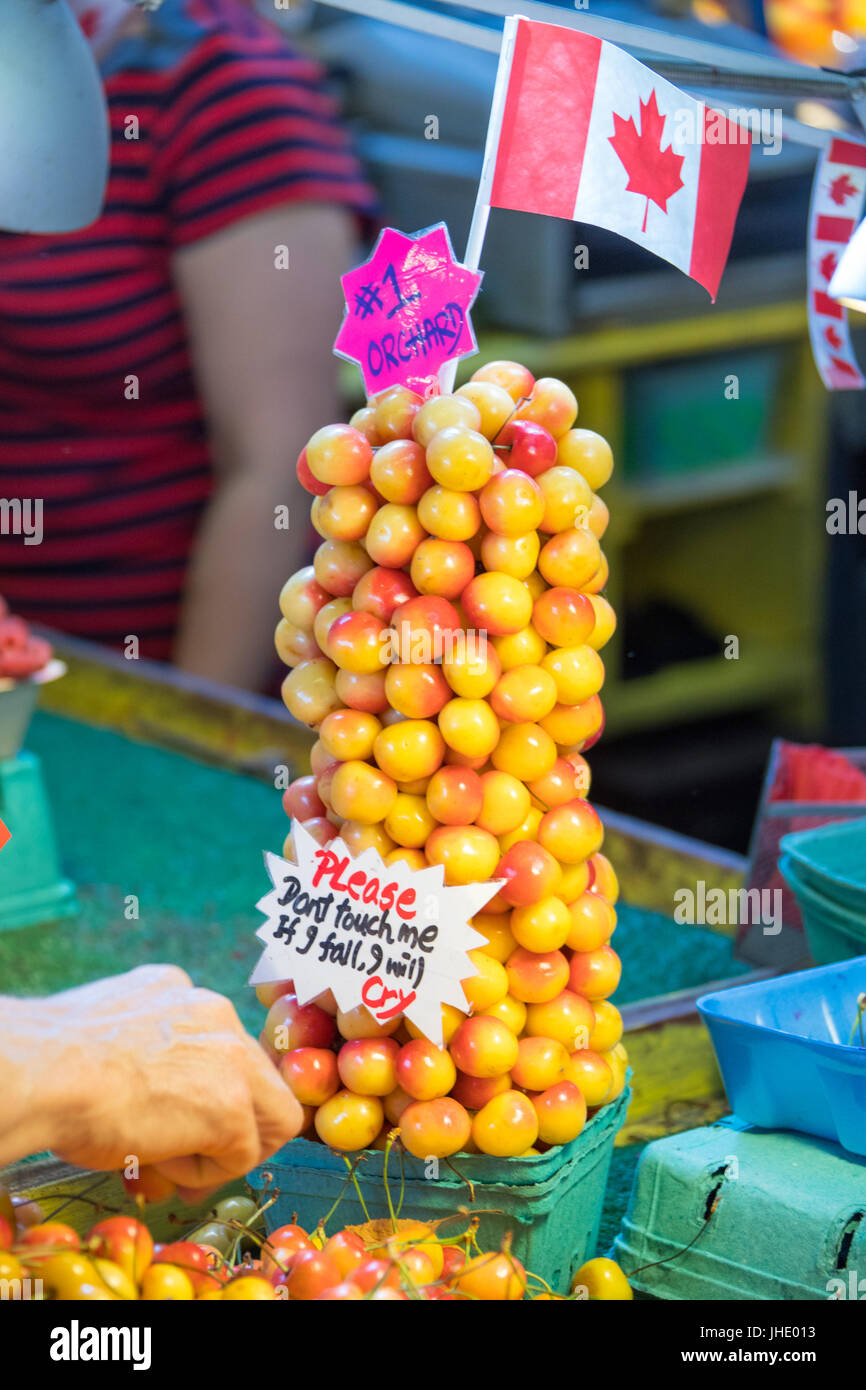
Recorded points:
(389,937)
(407,311)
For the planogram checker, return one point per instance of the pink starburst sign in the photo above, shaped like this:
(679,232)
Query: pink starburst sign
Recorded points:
(407,311)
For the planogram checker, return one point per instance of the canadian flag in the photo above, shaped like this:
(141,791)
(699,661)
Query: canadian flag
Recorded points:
(581,130)
(100,18)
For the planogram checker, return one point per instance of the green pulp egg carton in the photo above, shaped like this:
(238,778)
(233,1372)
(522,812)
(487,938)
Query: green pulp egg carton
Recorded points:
(740,1213)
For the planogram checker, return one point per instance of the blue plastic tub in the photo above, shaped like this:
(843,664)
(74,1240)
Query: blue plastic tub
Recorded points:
(831,860)
(833,932)
(784,1056)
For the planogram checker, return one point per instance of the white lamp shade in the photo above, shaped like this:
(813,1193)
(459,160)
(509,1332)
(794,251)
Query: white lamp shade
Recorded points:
(54,137)
(848,284)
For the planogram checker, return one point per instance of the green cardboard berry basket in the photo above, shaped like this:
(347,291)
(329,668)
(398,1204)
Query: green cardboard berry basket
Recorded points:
(551,1204)
(731,1212)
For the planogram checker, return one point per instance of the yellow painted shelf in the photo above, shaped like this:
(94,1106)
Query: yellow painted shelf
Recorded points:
(764,515)
(624,345)
(706,687)
(708,486)
(739,546)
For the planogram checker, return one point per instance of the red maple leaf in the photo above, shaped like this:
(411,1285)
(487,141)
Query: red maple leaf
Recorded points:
(842,366)
(652,171)
(89,20)
(842,188)
(828,265)
(832,337)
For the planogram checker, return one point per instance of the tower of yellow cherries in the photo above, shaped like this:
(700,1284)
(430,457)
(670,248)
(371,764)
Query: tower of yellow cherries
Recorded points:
(444,644)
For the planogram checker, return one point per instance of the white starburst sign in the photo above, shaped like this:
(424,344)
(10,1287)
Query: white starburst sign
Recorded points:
(386,936)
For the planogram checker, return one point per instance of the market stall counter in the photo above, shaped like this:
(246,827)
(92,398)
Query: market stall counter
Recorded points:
(162,794)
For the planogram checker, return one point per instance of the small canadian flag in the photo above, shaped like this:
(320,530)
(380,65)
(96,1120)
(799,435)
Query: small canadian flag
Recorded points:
(581,130)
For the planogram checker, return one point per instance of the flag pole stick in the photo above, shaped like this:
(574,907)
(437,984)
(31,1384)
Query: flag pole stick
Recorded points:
(481,211)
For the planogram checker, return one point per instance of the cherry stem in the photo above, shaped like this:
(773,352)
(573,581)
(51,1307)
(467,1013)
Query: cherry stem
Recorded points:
(84,1198)
(507,421)
(326,1218)
(389,1143)
(402,1179)
(351,1167)
(468,1181)
(676,1254)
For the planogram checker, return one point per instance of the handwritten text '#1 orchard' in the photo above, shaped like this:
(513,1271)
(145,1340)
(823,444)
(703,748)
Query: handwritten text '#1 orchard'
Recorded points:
(390,938)
(443,330)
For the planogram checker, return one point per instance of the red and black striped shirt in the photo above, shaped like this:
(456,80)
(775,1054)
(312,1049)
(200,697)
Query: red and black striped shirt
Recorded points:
(229,122)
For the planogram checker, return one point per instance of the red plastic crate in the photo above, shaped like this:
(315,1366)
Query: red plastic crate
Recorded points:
(773,820)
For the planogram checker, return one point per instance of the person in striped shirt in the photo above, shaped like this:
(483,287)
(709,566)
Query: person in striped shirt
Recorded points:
(160,369)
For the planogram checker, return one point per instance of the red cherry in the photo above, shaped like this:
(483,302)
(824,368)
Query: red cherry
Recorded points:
(530,873)
(533,448)
(301,799)
(306,479)
(424,628)
(381,590)
(593,738)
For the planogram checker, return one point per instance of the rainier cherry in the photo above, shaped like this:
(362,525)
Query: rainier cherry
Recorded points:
(589,453)
(495,407)
(506,1126)
(595,974)
(492,1277)
(349,1122)
(592,1075)
(399,471)
(517,380)
(537,977)
(606,1026)
(568,1018)
(379,591)
(368,1066)
(561,1111)
(425,1071)
(435,1128)
(467,853)
(311,1074)
(483,1047)
(339,454)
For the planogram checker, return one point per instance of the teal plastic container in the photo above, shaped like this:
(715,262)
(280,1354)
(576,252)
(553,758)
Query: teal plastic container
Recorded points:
(678,419)
(32,888)
(833,932)
(745,1214)
(551,1204)
(832,861)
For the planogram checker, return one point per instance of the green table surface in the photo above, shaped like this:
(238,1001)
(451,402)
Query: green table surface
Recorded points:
(186,840)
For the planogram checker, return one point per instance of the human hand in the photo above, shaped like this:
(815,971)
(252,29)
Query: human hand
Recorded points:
(143,1066)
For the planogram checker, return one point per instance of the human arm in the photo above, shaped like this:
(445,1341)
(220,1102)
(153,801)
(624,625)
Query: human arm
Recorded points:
(140,1065)
(261,341)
